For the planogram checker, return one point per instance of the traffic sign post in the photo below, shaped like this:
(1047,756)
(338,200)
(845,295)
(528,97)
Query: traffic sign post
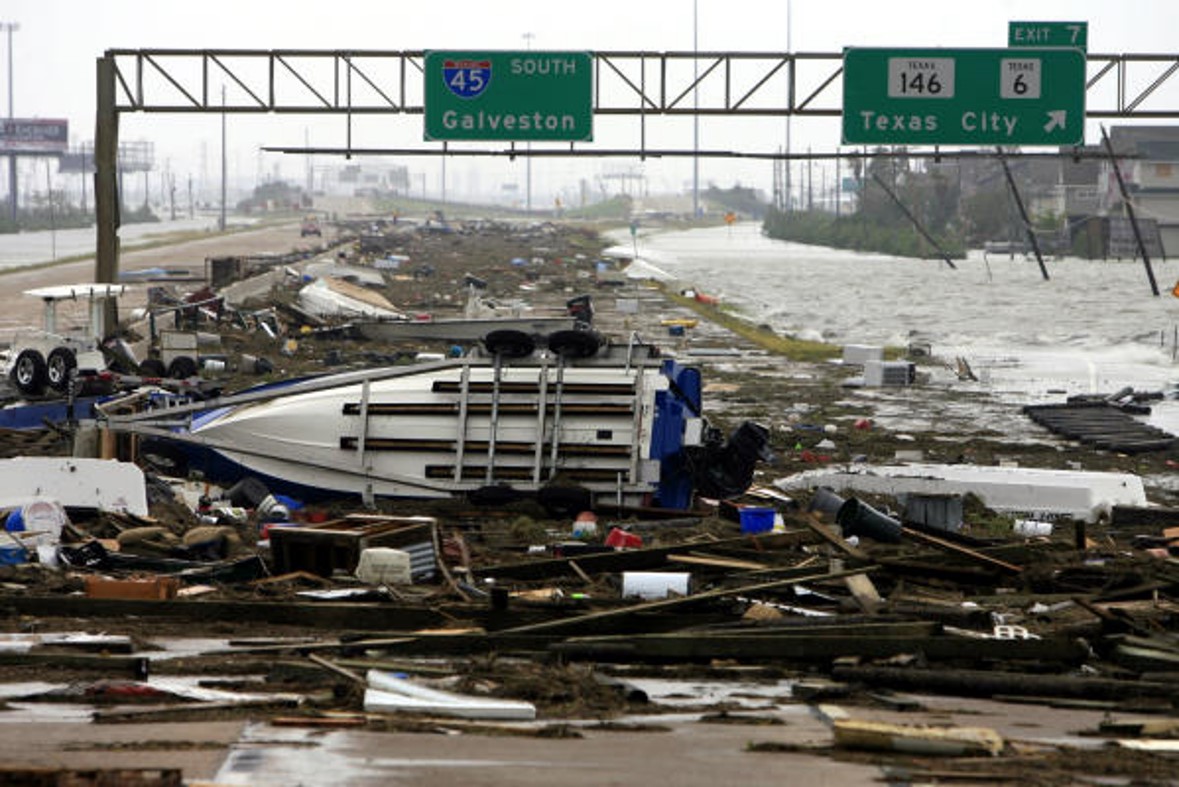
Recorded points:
(513,96)
(963,96)
(1042,34)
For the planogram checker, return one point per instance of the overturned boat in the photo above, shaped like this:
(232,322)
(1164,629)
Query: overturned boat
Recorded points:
(618,423)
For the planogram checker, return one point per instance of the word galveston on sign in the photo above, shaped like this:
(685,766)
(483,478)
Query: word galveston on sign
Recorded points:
(964,96)
(503,95)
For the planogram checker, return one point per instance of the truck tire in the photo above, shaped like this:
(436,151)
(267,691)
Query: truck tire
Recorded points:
(182,368)
(152,367)
(61,362)
(509,343)
(28,373)
(575,344)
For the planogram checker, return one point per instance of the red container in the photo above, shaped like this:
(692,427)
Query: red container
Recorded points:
(620,539)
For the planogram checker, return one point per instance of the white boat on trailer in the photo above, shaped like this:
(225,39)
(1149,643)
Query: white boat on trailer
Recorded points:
(458,329)
(619,422)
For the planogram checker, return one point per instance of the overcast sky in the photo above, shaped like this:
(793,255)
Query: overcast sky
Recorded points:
(56,45)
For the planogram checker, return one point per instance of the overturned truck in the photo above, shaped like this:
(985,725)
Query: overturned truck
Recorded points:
(617,424)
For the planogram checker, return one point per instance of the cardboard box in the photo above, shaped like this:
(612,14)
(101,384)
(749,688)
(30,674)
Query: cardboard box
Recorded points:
(155,588)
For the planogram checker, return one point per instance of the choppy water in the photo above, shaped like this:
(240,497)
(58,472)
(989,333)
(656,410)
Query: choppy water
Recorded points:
(1093,326)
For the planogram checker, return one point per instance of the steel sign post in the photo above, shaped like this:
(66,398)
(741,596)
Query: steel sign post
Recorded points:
(532,96)
(964,96)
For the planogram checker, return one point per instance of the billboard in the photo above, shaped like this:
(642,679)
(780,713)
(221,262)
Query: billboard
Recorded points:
(34,136)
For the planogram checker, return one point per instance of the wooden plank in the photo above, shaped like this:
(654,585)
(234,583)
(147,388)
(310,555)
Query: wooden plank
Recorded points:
(988,683)
(627,560)
(717,562)
(129,665)
(948,546)
(671,603)
(816,647)
(828,534)
(327,615)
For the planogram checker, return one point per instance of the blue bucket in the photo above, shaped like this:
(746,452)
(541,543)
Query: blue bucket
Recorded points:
(12,554)
(757,520)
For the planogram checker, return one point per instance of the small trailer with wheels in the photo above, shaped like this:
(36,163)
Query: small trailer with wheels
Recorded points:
(37,360)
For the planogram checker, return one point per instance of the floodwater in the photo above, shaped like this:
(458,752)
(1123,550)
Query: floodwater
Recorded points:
(1091,327)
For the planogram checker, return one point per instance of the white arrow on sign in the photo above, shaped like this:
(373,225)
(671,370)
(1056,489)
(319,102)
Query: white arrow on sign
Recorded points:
(1056,119)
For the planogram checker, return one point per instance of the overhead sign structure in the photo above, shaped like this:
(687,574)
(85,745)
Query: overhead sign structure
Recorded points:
(511,96)
(34,136)
(963,96)
(1041,34)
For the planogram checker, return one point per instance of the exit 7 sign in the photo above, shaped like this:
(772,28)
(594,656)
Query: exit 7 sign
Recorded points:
(1040,34)
(964,96)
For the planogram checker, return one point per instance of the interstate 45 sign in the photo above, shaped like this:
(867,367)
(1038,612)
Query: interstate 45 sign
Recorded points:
(964,96)
(511,96)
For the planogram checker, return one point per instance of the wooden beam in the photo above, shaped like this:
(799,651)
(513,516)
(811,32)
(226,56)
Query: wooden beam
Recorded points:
(671,603)
(948,546)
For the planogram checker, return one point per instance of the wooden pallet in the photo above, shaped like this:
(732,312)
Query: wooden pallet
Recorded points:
(1101,425)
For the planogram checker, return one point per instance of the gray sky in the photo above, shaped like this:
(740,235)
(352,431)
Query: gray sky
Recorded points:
(58,41)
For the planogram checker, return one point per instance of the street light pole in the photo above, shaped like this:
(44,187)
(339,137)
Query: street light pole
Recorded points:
(528,147)
(695,114)
(10,28)
(221,223)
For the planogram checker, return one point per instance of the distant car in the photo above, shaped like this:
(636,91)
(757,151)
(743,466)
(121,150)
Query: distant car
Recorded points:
(310,226)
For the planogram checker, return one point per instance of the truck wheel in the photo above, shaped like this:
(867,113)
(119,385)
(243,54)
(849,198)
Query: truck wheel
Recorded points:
(28,373)
(182,368)
(57,370)
(575,344)
(152,367)
(509,343)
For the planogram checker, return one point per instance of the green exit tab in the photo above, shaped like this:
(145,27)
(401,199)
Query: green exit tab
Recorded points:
(1046,34)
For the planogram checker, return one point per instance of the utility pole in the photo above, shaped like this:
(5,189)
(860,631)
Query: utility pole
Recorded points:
(528,148)
(695,114)
(10,28)
(789,116)
(224,165)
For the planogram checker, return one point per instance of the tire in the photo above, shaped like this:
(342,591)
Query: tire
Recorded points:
(28,373)
(496,495)
(565,500)
(164,458)
(61,362)
(509,343)
(182,368)
(575,344)
(152,367)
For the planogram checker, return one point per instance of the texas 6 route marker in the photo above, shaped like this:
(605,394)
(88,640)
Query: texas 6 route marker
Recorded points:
(964,96)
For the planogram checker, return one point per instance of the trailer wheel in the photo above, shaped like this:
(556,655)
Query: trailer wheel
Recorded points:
(575,344)
(28,373)
(182,368)
(152,367)
(164,458)
(57,369)
(565,500)
(509,343)
(494,495)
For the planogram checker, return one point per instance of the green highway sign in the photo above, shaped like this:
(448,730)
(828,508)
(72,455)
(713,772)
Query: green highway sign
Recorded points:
(513,96)
(963,96)
(1041,34)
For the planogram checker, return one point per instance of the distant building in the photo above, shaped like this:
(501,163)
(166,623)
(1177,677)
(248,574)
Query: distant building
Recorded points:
(1150,170)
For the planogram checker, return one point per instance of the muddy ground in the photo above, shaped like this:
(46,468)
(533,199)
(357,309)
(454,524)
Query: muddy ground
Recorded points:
(802,403)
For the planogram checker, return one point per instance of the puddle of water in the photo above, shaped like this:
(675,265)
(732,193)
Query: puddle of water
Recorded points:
(678,693)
